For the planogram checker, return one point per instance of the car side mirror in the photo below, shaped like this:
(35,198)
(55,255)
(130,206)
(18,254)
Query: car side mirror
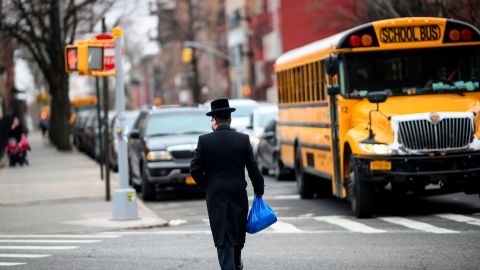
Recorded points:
(268,135)
(134,134)
(377,97)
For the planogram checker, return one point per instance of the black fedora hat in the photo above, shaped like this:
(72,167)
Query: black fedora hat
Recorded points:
(220,106)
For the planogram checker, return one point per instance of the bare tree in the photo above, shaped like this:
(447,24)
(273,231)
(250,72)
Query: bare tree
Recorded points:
(182,20)
(44,27)
(371,10)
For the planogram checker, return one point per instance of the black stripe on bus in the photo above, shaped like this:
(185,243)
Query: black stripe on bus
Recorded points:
(300,124)
(303,105)
(322,147)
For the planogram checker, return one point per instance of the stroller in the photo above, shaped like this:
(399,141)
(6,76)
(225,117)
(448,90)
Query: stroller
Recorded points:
(17,152)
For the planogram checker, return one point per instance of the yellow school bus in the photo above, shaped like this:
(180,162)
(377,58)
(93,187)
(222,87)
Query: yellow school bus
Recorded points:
(391,105)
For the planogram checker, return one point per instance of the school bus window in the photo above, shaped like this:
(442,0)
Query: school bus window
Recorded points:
(314,81)
(413,72)
(318,82)
(300,83)
(295,83)
(284,86)
(305,83)
(310,81)
(279,88)
(292,86)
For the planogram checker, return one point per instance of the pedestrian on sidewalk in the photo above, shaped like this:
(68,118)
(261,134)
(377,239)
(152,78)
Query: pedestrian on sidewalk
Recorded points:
(218,167)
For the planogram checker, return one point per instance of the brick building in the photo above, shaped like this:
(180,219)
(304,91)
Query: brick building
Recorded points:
(278,26)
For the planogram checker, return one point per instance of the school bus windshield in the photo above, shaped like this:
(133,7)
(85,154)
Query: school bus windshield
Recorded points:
(412,72)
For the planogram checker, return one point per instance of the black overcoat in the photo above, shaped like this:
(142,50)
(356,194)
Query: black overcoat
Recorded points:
(218,167)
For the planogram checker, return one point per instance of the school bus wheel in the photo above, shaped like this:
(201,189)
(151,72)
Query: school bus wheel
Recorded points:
(305,185)
(360,193)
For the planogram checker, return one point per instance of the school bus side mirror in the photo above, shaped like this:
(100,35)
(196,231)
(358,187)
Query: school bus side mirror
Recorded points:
(377,97)
(332,65)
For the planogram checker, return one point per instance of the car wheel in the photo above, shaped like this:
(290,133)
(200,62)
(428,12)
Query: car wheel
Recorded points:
(148,190)
(360,193)
(305,185)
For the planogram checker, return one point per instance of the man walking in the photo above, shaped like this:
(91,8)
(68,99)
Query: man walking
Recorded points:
(219,168)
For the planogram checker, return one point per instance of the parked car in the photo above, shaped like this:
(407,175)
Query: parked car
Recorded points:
(130,118)
(268,150)
(260,117)
(241,116)
(161,146)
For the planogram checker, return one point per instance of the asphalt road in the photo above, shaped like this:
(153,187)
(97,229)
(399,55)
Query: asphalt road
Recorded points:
(440,232)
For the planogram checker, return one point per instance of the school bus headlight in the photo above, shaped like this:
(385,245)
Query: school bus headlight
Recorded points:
(376,148)
(158,155)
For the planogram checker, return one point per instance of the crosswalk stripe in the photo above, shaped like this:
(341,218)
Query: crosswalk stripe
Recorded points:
(348,224)
(10,263)
(24,255)
(36,241)
(39,247)
(59,236)
(280,227)
(416,225)
(460,218)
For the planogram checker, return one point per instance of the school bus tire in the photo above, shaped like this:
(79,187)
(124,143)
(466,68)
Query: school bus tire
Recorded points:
(360,193)
(305,185)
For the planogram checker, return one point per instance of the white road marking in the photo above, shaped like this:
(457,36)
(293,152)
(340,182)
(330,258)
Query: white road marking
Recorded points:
(279,197)
(24,255)
(59,236)
(39,247)
(460,218)
(43,241)
(10,264)
(283,227)
(350,225)
(416,225)
(176,222)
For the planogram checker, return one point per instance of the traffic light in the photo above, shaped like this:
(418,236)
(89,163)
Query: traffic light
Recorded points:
(187,54)
(83,58)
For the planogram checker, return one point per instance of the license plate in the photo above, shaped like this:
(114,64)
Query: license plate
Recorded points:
(380,165)
(189,181)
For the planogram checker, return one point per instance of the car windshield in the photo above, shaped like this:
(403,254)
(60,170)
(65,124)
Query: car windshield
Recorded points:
(265,117)
(177,123)
(413,72)
(243,110)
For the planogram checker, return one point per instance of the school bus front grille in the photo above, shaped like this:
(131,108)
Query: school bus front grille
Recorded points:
(447,134)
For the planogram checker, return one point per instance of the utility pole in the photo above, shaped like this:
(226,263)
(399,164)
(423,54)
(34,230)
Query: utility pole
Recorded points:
(106,132)
(124,198)
(99,126)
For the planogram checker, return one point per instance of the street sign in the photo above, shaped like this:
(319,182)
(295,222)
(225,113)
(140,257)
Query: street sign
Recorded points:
(72,59)
(108,52)
(95,58)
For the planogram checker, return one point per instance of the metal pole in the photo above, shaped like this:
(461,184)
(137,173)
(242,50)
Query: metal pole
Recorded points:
(124,198)
(238,68)
(99,126)
(106,133)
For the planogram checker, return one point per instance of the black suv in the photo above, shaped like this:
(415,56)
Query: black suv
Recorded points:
(161,146)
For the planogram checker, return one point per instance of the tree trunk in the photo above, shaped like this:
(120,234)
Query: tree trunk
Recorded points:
(59,128)
(195,82)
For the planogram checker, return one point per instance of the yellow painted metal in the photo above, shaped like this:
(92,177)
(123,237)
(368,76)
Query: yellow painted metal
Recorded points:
(307,124)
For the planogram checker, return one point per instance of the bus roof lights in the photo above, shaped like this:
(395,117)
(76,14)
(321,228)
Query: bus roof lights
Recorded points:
(466,34)
(454,35)
(354,40)
(366,40)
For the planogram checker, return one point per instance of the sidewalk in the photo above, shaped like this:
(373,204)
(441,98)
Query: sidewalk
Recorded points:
(60,193)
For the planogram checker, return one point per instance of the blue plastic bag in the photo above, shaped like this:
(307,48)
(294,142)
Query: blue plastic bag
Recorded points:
(261,216)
